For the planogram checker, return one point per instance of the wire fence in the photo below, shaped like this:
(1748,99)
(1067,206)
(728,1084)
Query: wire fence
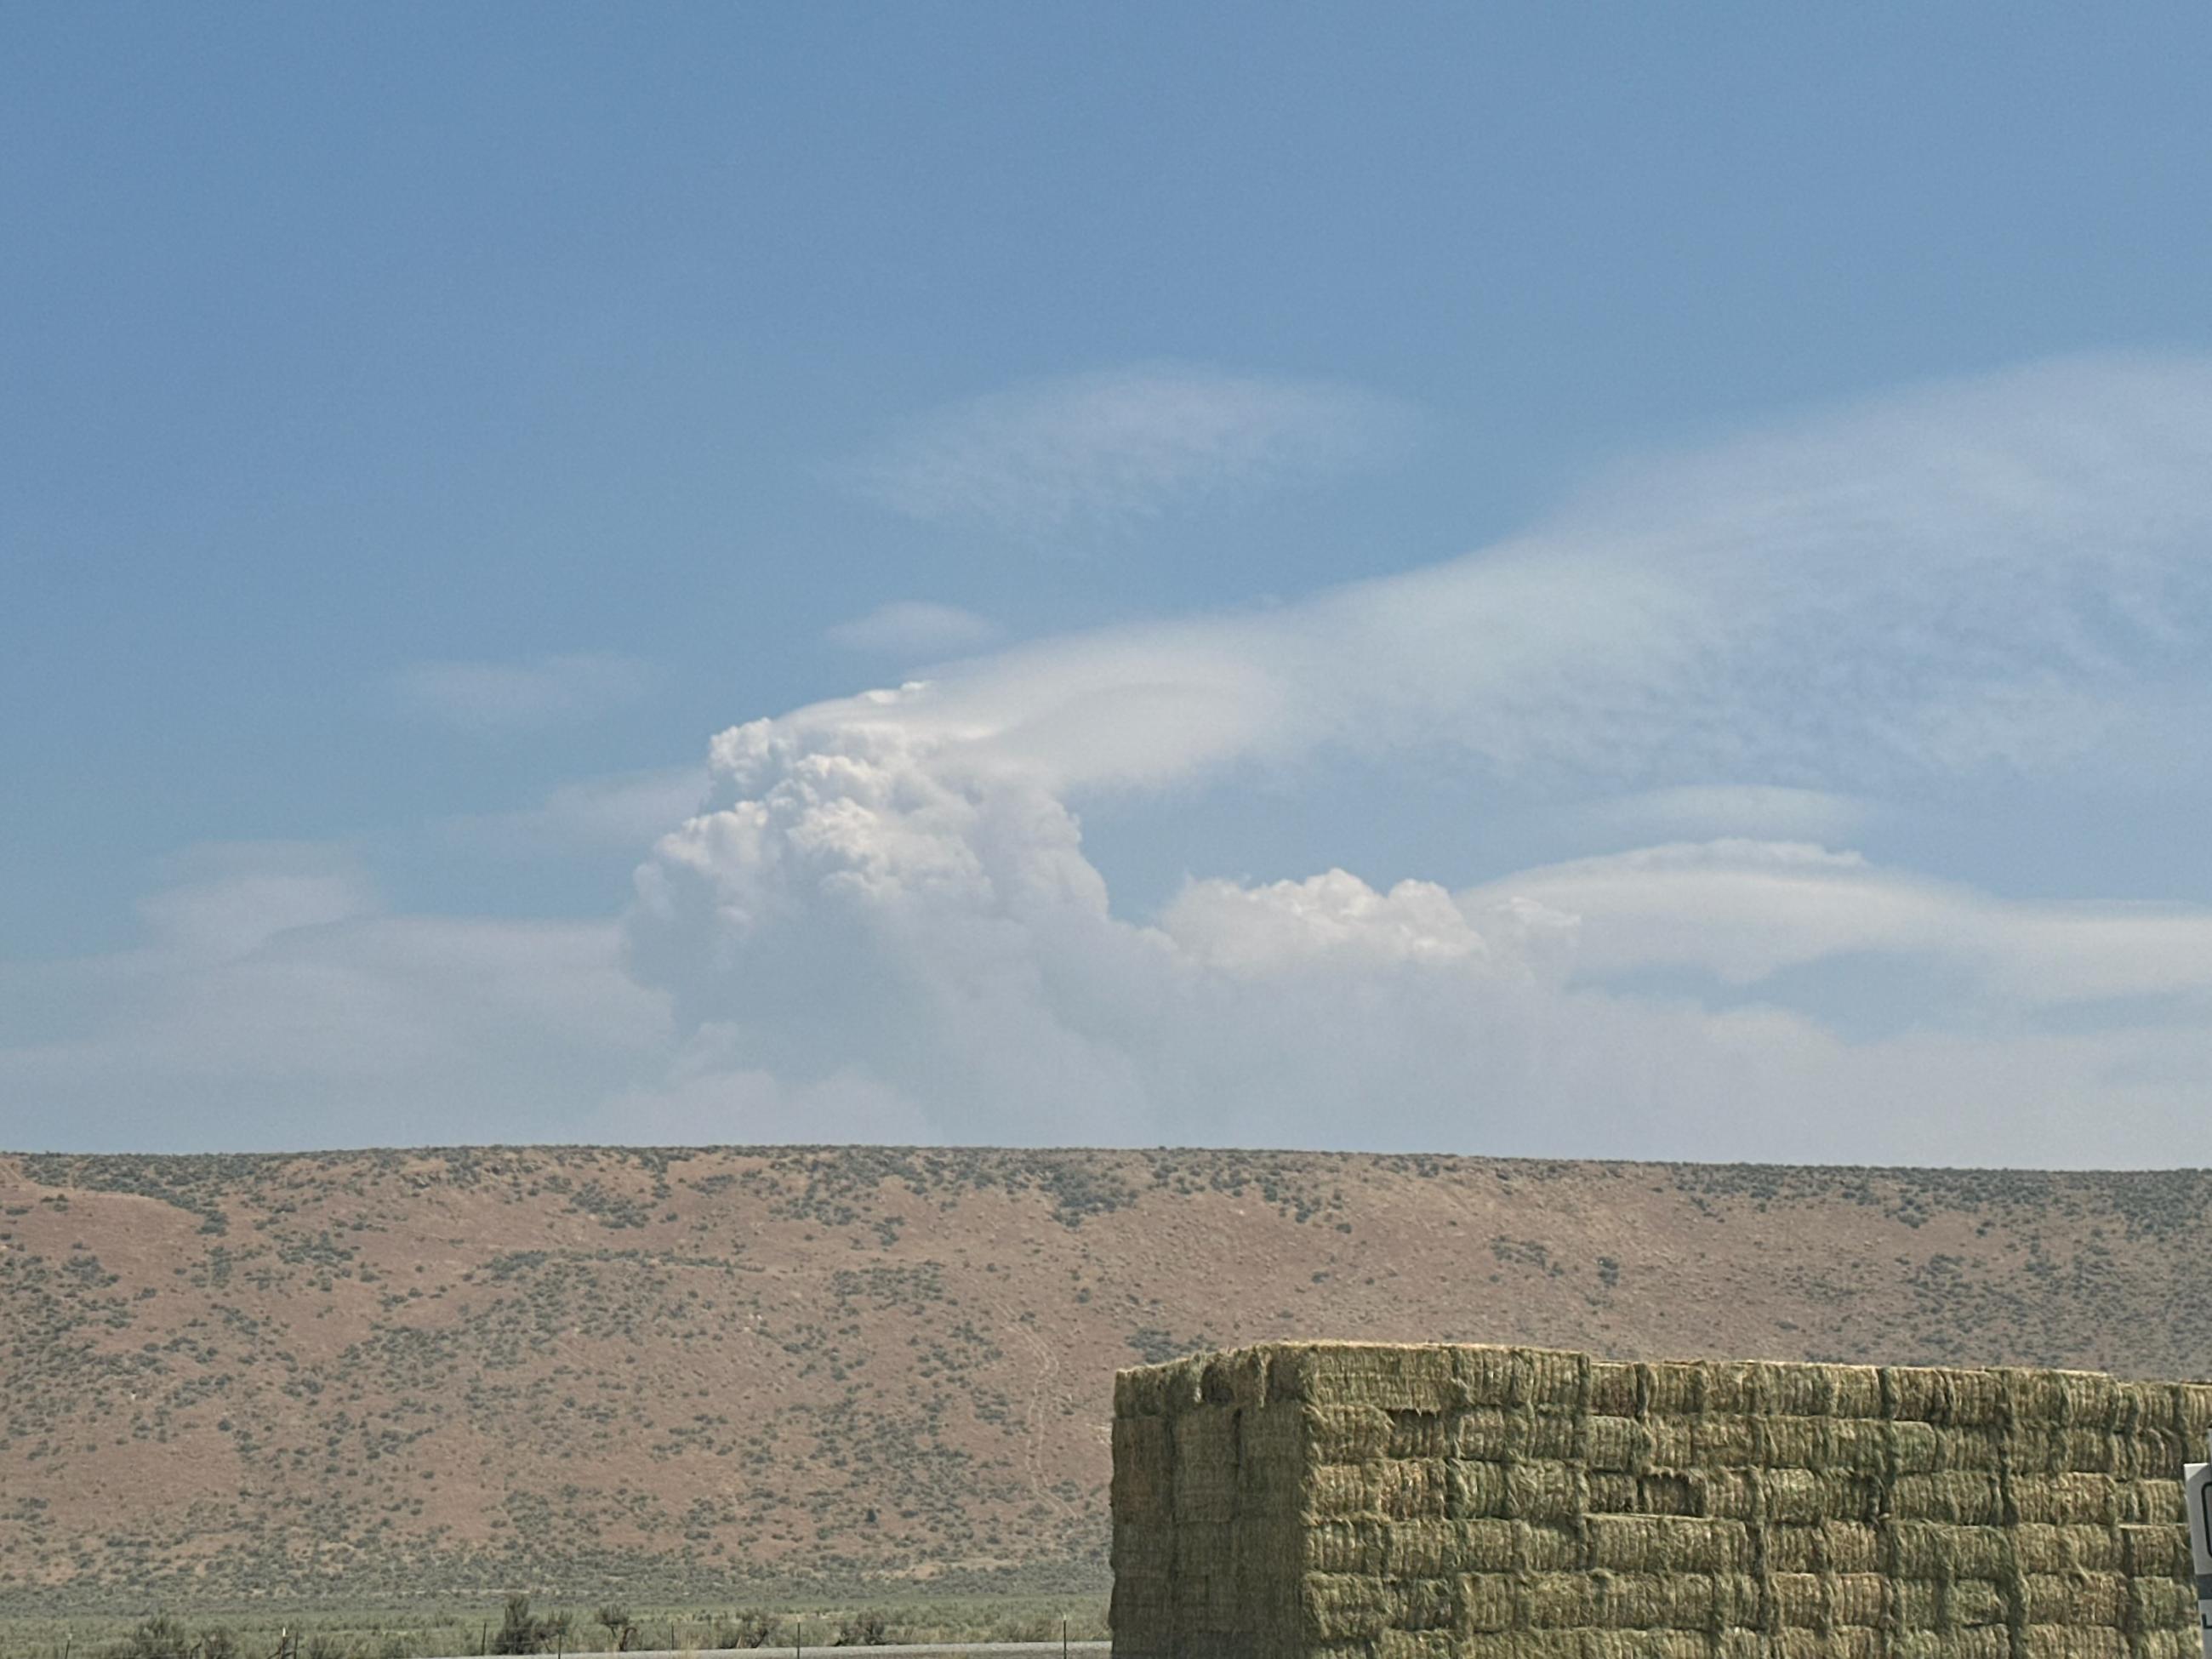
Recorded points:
(561,1637)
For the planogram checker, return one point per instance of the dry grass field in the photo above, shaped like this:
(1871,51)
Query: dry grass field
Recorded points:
(701,1377)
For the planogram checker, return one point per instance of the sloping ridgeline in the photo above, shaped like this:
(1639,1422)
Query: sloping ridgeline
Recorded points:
(692,1374)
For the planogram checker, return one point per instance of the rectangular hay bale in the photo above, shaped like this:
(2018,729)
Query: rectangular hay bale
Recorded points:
(1357,1501)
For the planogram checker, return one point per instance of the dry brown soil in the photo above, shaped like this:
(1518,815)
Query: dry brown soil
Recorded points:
(678,1372)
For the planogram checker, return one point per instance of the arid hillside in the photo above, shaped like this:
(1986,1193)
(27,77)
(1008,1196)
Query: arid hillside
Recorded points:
(381,1375)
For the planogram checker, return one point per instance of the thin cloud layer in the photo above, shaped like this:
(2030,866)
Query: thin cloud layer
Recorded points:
(626,812)
(494,698)
(1696,812)
(1102,449)
(914,629)
(278,1002)
(1744,911)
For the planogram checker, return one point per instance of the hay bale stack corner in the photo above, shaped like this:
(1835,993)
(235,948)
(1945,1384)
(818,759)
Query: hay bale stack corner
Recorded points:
(1368,1501)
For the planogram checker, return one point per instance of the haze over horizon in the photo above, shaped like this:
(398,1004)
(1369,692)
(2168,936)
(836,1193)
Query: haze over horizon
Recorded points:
(1608,586)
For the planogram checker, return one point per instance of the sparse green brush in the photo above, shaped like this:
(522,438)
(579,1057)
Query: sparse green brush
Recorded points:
(520,1630)
(868,1629)
(455,1631)
(745,1630)
(159,1637)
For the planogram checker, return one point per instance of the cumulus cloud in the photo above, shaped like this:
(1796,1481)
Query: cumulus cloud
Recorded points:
(495,698)
(867,898)
(1988,578)
(914,629)
(1105,448)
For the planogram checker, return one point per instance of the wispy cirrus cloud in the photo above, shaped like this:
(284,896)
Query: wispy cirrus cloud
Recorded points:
(495,698)
(1099,450)
(2003,575)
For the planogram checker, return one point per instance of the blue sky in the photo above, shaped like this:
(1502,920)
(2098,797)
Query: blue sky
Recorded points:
(1622,582)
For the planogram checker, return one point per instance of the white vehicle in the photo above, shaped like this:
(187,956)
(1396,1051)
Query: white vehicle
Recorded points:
(2197,1495)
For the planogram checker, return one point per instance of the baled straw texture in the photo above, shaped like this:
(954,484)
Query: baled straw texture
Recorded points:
(1363,1501)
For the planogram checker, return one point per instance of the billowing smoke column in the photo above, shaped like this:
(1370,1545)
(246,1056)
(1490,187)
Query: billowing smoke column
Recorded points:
(866,893)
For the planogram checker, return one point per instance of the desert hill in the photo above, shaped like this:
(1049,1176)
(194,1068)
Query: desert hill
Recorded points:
(390,1374)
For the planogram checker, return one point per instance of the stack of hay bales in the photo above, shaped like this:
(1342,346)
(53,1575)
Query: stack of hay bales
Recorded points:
(1365,1501)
